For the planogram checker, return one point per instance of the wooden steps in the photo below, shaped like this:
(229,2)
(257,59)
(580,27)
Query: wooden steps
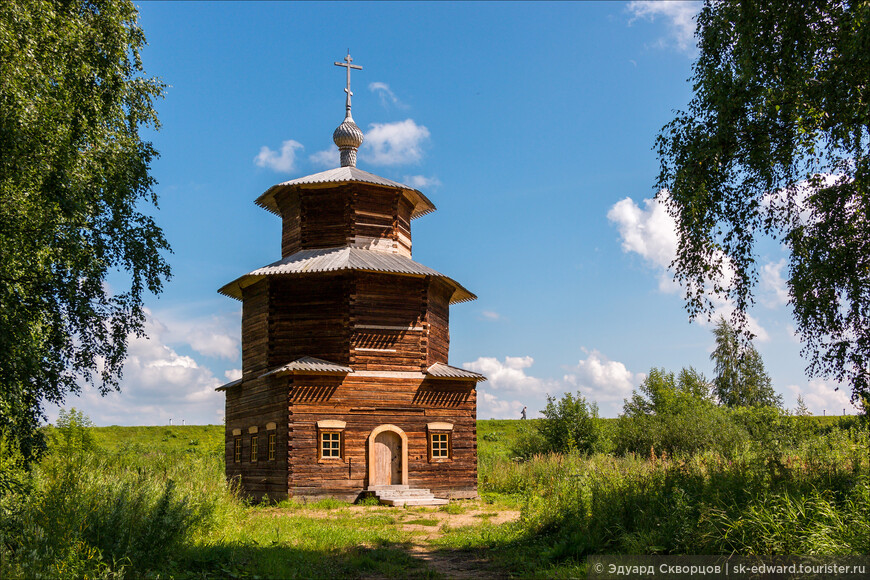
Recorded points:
(402,495)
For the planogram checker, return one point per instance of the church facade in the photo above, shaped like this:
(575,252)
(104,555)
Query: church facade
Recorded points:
(346,387)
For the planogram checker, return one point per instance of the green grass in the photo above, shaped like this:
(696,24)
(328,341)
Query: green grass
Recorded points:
(175,439)
(153,501)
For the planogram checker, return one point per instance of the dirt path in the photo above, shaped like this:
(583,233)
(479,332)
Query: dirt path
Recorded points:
(444,561)
(425,524)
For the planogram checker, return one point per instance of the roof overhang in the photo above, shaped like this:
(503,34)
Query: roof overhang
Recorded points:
(308,365)
(343,258)
(230,385)
(342,176)
(443,371)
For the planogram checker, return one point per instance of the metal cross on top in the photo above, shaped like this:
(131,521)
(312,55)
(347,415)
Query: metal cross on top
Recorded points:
(346,64)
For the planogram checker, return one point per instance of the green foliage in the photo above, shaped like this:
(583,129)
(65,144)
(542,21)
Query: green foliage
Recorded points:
(661,393)
(674,415)
(91,513)
(73,432)
(73,175)
(740,376)
(776,142)
(12,474)
(570,424)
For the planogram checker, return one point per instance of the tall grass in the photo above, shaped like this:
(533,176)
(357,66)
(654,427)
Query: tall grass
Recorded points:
(814,499)
(97,514)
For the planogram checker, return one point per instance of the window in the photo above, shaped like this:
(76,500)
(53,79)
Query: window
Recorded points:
(272,438)
(330,444)
(439,445)
(330,441)
(237,449)
(254,442)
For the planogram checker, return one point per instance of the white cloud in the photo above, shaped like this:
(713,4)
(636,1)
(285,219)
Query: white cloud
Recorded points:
(651,232)
(490,315)
(680,17)
(284,162)
(821,398)
(387,96)
(603,381)
(396,143)
(327,158)
(157,384)
(213,336)
(508,388)
(509,375)
(775,292)
(233,374)
(421,181)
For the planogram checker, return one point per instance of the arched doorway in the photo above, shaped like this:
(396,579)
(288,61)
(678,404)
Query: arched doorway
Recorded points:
(388,456)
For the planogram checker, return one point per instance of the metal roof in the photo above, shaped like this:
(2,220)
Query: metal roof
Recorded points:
(309,364)
(343,258)
(443,371)
(229,385)
(341,175)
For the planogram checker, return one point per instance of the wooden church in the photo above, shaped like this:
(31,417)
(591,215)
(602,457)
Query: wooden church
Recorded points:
(345,386)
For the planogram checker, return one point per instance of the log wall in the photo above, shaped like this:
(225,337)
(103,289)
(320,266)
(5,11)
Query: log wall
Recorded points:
(255,329)
(437,321)
(308,316)
(387,313)
(365,403)
(256,404)
(354,214)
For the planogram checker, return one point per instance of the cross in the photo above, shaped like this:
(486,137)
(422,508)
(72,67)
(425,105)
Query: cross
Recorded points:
(346,64)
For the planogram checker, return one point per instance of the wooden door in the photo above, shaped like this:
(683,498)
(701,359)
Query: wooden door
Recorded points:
(388,458)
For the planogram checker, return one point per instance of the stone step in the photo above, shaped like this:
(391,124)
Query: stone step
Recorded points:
(404,493)
(434,501)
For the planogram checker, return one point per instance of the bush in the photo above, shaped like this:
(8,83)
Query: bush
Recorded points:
(675,415)
(570,424)
(699,426)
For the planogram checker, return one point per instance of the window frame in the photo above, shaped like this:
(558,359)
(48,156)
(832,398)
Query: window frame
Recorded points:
(431,440)
(237,449)
(273,446)
(321,434)
(255,451)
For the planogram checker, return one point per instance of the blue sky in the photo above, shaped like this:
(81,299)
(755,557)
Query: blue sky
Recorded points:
(529,125)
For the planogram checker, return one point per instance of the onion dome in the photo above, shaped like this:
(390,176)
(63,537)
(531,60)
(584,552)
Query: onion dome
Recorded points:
(348,137)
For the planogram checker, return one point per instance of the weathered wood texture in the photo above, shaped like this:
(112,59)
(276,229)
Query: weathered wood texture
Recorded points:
(365,403)
(387,314)
(309,316)
(255,329)
(257,403)
(437,322)
(354,214)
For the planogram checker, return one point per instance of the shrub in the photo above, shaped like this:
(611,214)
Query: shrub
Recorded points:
(570,424)
(675,415)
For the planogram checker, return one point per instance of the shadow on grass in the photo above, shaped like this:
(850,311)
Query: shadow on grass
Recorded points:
(387,560)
